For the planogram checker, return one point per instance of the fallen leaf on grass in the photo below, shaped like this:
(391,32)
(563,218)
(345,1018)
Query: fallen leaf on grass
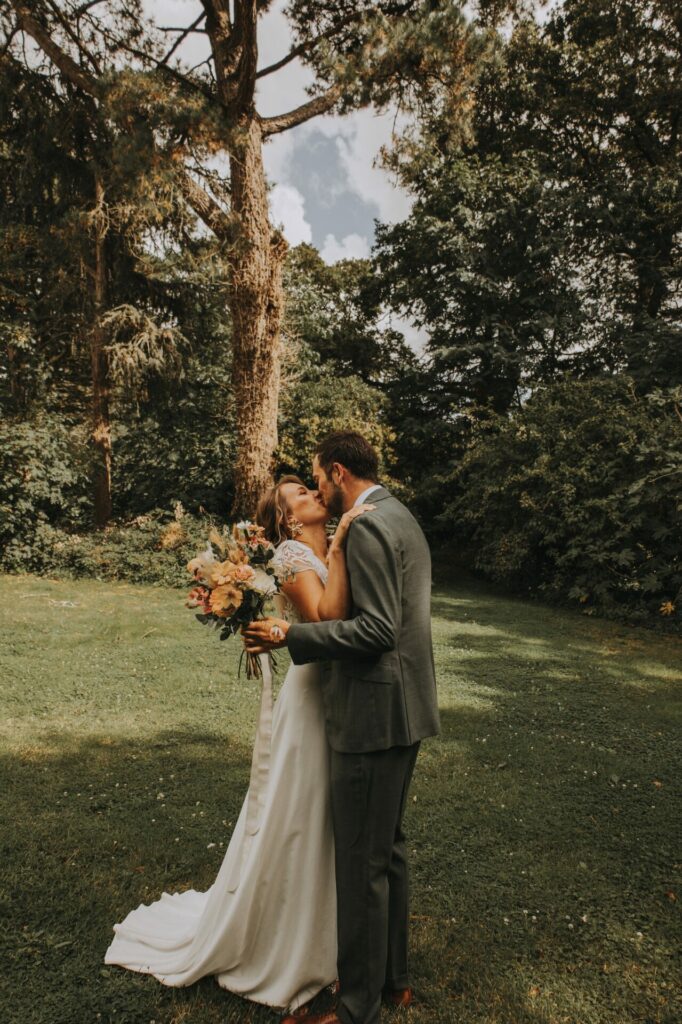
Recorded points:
(534,991)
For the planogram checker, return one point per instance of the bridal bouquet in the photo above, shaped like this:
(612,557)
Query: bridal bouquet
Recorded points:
(234,579)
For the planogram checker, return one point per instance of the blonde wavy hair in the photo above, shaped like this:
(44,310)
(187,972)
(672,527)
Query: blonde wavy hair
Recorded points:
(273,512)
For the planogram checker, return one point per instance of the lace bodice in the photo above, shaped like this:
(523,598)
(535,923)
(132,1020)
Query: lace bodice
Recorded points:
(296,557)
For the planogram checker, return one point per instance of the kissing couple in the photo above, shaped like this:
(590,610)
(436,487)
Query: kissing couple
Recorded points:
(313,889)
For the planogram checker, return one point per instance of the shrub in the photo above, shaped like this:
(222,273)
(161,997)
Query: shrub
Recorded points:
(44,482)
(152,549)
(577,497)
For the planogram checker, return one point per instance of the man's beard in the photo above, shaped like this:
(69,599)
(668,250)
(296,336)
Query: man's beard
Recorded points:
(335,502)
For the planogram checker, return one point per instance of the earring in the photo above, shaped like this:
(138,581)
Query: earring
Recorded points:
(295,526)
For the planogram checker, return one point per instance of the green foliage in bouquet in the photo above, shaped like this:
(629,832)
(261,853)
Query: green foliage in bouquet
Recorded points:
(577,497)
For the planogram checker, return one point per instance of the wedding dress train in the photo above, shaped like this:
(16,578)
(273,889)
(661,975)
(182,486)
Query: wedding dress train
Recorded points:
(266,928)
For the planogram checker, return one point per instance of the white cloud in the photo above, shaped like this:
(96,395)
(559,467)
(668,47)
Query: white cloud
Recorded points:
(358,152)
(287,210)
(352,247)
(277,154)
(416,337)
(358,135)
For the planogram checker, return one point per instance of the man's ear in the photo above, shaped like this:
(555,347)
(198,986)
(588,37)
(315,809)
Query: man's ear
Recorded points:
(340,470)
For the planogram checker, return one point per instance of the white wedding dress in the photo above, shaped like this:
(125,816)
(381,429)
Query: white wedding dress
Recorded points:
(267,926)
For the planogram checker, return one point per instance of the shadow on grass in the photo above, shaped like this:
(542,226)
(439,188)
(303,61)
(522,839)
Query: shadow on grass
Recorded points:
(98,827)
(546,824)
(93,828)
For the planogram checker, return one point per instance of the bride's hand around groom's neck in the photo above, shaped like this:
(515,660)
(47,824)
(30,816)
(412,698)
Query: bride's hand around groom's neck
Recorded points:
(265,635)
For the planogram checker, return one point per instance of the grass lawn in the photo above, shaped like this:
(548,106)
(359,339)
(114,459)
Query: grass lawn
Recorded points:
(544,823)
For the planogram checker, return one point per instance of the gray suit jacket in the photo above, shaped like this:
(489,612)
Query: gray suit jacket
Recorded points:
(378,678)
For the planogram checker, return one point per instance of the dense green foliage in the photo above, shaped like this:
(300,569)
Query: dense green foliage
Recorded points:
(43,483)
(576,496)
(547,236)
(542,255)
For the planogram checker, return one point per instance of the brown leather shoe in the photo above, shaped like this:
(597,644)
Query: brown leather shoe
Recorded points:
(300,1014)
(399,997)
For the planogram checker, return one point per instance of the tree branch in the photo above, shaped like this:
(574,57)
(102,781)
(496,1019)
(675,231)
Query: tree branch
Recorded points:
(223,225)
(183,35)
(9,41)
(291,55)
(73,36)
(320,105)
(308,44)
(166,69)
(187,31)
(72,71)
(248,59)
(84,8)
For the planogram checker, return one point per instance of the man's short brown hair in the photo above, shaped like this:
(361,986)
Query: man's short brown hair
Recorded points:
(351,450)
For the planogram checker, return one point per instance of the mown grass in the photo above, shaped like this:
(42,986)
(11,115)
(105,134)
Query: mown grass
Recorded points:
(544,823)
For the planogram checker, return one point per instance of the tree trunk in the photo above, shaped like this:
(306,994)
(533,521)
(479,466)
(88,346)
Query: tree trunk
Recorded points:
(101,427)
(256,302)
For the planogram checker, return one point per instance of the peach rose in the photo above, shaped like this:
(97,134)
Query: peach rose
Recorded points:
(224,573)
(238,556)
(244,574)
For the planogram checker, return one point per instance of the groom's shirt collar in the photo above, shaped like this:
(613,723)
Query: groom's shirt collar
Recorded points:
(365,494)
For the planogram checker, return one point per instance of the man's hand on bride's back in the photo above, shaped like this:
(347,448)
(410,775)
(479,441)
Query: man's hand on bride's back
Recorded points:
(339,538)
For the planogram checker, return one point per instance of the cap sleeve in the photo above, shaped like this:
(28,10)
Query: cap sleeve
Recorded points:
(292,556)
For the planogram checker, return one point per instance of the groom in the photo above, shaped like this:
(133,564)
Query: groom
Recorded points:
(379,695)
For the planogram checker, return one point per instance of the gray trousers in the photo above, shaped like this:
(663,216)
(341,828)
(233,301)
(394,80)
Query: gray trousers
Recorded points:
(368,793)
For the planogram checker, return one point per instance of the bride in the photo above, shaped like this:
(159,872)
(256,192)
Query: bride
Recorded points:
(266,928)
